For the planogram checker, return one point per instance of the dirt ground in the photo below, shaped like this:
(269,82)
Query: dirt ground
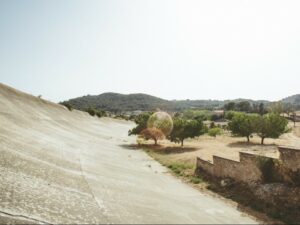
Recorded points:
(229,147)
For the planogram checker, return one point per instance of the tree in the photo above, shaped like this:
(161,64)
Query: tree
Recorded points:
(162,121)
(243,125)
(229,115)
(262,109)
(213,132)
(243,106)
(141,121)
(271,125)
(152,133)
(276,107)
(183,129)
(230,106)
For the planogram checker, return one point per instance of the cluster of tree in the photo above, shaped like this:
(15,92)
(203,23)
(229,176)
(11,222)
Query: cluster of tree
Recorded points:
(93,112)
(202,115)
(270,125)
(285,109)
(182,129)
(246,106)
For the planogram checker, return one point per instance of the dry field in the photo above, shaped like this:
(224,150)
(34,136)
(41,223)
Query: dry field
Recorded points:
(227,146)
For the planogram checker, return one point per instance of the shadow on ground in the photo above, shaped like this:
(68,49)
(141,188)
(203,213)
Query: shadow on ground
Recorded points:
(159,148)
(242,144)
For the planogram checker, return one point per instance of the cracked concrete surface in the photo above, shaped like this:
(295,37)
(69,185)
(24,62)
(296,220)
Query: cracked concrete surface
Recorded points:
(58,166)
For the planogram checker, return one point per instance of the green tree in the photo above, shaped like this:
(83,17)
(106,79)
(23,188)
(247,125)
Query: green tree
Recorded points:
(271,125)
(243,106)
(213,132)
(276,107)
(230,106)
(243,125)
(229,115)
(262,109)
(183,129)
(162,121)
(141,123)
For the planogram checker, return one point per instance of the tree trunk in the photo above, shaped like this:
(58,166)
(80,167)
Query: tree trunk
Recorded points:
(248,139)
(262,140)
(155,140)
(181,142)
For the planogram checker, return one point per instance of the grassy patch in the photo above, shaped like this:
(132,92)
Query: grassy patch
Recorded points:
(196,180)
(180,168)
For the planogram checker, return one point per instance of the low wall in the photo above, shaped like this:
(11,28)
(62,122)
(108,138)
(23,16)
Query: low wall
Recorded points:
(290,157)
(205,166)
(225,167)
(254,168)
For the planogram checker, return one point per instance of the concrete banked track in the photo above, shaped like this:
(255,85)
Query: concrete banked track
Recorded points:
(58,166)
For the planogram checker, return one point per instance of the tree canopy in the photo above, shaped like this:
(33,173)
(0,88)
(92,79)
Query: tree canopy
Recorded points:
(271,125)
(243,125)
(183,128)
(141,123)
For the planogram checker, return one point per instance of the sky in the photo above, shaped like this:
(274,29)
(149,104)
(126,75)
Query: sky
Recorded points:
(188,49)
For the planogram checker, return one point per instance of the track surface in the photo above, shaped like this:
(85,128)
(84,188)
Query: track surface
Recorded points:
(64,167)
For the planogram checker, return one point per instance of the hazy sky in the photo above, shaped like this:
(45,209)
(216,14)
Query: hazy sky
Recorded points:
(171,49)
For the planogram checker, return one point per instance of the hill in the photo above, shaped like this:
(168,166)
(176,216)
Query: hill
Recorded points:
(294,100)
(115,102)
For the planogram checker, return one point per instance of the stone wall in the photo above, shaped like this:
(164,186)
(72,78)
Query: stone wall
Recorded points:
(254,168)
(290,158)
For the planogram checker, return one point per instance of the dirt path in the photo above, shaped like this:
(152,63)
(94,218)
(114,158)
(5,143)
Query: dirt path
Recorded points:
(65,167)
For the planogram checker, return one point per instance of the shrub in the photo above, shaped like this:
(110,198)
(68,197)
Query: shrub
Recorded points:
(100,113)
(229,115)
(196,180)
(213,132)
(68,105)
(91,111)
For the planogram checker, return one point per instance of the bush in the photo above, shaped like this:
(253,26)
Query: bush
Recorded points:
(196,180)
(213,132)
(91,111)
(229,115)
(269,169)
(100,113)
(68,105)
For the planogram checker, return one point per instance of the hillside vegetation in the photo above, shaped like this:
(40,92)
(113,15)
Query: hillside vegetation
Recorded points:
(294,100)
(116,103)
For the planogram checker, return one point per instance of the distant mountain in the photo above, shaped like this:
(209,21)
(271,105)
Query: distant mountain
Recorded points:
(115,102)
(294,100)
